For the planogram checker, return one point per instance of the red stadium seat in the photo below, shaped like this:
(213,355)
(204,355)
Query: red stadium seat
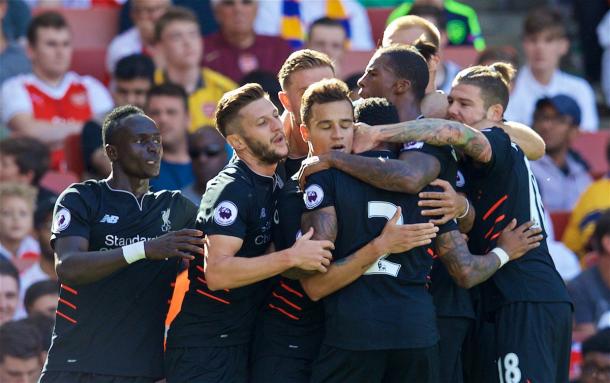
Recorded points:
(90,62)
(354,62)
(58,181)
(560,222)
(377,18)
(74,154)
(463,56)
(592,147)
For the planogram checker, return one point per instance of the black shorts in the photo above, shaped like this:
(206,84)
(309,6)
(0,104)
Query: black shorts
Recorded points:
(383,366)
(277,369)
(533,342)
(81,377)
(453,333)
(227,364)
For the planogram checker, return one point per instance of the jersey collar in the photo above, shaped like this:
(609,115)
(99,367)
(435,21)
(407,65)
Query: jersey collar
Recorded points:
(139,202)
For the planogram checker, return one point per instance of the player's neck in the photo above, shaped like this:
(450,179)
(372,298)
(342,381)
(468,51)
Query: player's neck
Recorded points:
(256,165)
(297,148)
(47,78)
(239,40)
(120,181)
(543,76)
(187,78)
(408,109)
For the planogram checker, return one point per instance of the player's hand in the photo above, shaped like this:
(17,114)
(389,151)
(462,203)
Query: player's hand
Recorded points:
(313,165)
(447,204)
(520,240)
(398,238)
(179,243)
(310,254)
(365,137)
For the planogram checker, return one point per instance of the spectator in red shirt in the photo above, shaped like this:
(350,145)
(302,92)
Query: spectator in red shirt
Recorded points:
(236,49)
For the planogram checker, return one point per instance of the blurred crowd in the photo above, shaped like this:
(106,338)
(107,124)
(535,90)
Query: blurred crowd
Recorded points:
(175,61)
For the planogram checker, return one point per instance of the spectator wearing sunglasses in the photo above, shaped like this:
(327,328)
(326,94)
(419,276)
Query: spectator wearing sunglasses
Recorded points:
(208,156)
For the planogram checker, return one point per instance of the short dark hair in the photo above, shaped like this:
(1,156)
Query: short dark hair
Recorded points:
(169,89)
(20,339)
(493,81)
(327,22)
(7,268)
(44,325)
(29,153)
(133,67)
(44,209)
(323,92)
(301,60)
(599,342)
(376,111)
(37,290)
(113,120)
(49,19)
(172,14)
(602,229)
(233,102)
(544,19)
(407,63)
(422,10)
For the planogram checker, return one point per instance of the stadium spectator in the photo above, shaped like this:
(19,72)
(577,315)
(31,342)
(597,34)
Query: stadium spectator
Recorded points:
(167,105)
(9,290)
(20,352)
(462,22)
(561,174)
(13,60)
(51,103)
(603,34)
(590,291)
(41,298)
(586,213)
(17,202)
(131,81)
(208,156)
(596,358)
(506,54)
(25,160)
(290,20)
(545,42)
(236,49)
(141,37)
(44,325)
(328,36)
(179,40)
(16,21)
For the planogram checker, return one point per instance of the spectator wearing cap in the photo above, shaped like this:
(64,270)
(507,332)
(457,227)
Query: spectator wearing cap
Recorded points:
(596,358)
(20,352)
(561,174)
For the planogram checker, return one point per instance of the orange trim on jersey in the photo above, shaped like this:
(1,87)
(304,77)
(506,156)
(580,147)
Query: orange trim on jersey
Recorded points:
(200,268)
(500,218)
(494,207)
(284,312)
(65,302)
(288,288)
(213,297)
(69,289)
(202,280)
(293,305)
(65,317)
(495,236)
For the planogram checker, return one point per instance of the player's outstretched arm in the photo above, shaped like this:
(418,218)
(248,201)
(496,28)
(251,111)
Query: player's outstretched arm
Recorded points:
(225,271)
(469,270)
(394,238)
(387,174)
(528,140)
(432,131)
(76,265)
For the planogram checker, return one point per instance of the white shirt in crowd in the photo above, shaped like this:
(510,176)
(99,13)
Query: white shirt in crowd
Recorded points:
(123,45)
(527,91)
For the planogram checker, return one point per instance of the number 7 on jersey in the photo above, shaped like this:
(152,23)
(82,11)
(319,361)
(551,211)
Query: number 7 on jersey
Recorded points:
(384,210)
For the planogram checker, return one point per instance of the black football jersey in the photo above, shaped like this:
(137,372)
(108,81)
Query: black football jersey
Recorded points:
(116,326)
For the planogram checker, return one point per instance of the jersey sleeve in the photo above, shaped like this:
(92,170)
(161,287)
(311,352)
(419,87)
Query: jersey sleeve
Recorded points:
(500,153)
(14,98)
(71,217)
(444,154)
(225,212)
(319,191)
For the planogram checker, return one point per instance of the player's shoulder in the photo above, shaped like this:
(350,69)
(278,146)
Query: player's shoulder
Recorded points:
(495,132)
(85,188)
(232,182)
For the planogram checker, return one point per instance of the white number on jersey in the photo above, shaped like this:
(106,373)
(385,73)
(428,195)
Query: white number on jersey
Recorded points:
(512,372)
(384,210)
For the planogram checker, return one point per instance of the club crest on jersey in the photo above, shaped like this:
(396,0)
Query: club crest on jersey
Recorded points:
(62,220)
(167,224)
(460,181)
(313,196)
(413,145)
(225,213)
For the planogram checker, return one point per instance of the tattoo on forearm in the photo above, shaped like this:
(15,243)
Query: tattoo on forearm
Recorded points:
(467,269)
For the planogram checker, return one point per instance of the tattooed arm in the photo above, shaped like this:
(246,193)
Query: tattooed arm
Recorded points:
(394,238)
(433,131)
(406,176)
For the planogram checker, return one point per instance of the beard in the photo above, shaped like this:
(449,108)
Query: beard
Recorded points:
(264,152)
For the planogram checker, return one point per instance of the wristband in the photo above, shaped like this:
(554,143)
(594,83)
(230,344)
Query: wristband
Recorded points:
(502,255)
(134,252)
(467,209)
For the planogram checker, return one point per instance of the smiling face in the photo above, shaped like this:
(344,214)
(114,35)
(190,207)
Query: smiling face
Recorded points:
(16,218)
(330,127)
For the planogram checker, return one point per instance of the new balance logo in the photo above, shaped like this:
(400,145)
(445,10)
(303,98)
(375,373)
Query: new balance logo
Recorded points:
(109,219)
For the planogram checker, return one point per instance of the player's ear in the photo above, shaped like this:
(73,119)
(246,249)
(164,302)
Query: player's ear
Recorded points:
(304,132)
(283,96)
(495,112)
(111,152)
(401,86)
(236,141)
